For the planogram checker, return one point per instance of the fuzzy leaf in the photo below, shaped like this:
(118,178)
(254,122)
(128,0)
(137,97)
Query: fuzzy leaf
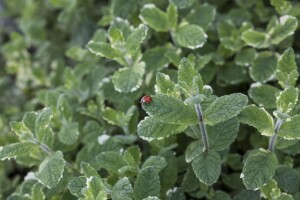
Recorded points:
(157,162)
(134,40)
(207,167)
(155,18)
(103,49)
(109,160)
(287,99)
(147,183)
(129,79)
(21,130)
(186,74)
(255,39)
(264,95)
(202,16)
(51,170)
(15,150)
(259,168)
(170,110)
(42,122)
(122,190)
(245,57)
(151,129)
(29,120)
(286,62)
(222,135)
(155,58)
(163,84)
(224,108)
(286,27)
(263,67)
(287,178)
(76,185)
(69,133)
(258,118)
(193,151)
(290,129)
(190,36)
(182,4)
(37,192)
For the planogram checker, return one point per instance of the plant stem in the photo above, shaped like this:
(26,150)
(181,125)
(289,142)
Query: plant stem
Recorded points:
(274,136)
(49,151)
(202,127)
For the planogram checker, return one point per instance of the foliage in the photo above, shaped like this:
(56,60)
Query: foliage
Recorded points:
(219,116)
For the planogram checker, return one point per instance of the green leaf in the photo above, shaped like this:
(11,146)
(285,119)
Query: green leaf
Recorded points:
(193,151)
(222,135)
(21,130)
(286,62)
(287,179)
(282,6)
(264,95)
(224,108)
(51,170)
(155,18)
(220,195)
(42,122)
(64,108)
(172,15)
(129,79)
(263,67)
(164,84)
(37,192)
(134,40)
(207,167)
(259,168)
(287,99)
(202,16)
(116,117)
(103,49)
(170,110)
(155,58)
(259,118)
(290,129)
(109,160)
(122,190)
(15,150)
(76,185)
(157,162)
(245,57)
(29,120)
(69,133)
(88,170)
(176,194)
(255,39)
(287,79)
(182,4)
(286,27)
(189,36)
(94,189)
(152,129)
(186,74)
(147,184)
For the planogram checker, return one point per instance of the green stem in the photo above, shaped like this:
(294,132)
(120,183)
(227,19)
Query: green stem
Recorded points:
(274,136)
(202,127)
(49,151)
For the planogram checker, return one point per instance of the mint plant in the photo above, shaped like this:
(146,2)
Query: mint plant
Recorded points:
(260,165)
(149,100)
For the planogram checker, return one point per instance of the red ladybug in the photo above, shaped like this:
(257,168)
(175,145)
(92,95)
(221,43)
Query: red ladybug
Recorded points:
(146,99)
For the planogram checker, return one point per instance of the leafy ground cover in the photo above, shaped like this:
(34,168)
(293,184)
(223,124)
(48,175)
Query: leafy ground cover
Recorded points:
(149,100)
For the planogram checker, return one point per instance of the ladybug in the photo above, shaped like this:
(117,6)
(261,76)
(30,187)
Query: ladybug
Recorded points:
(146,99)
